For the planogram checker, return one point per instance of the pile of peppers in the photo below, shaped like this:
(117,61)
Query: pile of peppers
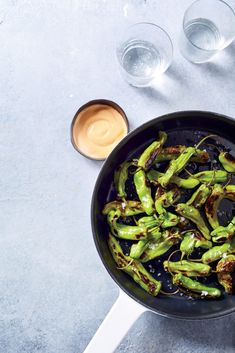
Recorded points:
(154,230)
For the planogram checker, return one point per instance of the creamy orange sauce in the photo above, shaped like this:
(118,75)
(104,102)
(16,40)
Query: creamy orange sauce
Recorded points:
(98,129)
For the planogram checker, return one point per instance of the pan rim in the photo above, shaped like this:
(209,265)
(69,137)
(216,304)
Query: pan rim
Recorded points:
(209,114)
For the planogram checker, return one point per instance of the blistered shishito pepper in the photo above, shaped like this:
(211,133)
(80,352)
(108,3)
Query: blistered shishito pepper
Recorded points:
(144,192)
(194,215)
(227,161)
(148,156)
(203,243)
(138,248)
(148,221)
(125,231)
(187,245)
(221,234)
(165,220)
(190,183)
(120,178)
(199,197)
(224,269)
(168,220)
(133,268)
(212,205)
(159,247)
(126,208)
(226,264)
(173,152)
(164,198)
(176,165)
(195,287)
(215,253)
(211,176)
(230,192)
(155,249)
(187,268)
(192,240)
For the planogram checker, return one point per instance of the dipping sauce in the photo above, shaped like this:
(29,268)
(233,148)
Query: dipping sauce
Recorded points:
(97,129)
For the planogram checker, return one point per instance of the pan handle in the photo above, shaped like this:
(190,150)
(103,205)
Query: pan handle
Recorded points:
(119,320)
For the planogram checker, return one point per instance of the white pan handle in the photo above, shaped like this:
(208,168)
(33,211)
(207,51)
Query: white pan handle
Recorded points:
(119,320)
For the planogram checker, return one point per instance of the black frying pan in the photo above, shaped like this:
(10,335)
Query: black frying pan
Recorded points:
(182,128)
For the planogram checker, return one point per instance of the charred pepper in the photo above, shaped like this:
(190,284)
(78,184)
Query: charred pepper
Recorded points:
(133,268)
(212,205)
(125,231)
(194,287)
(144,191)
(148,156)
(187,268)
(189,183)
(159,247)
(126,208)
(224,269)
(176,165)
(227,161)
(199,197)
(164,198)
(221,234)
(173,152)
(215,253)
(211,176)
(120,178)
(230,192)
(193,215)
(138,248)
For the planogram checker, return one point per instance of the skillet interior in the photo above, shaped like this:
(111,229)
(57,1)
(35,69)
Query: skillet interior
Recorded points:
(182,128)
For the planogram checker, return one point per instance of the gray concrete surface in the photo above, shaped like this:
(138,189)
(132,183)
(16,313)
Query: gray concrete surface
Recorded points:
(54,56)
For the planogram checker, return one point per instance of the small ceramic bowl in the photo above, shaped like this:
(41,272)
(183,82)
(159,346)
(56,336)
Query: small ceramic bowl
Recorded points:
(77,120)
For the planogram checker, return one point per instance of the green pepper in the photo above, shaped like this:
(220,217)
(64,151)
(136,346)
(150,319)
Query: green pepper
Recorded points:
(144,191)
(189,183)
(120,178)
(176,165)
(212,205)
(148,156)
(195,287)
(125,231)
(138,248)
(160,246)
(224,233)
(164,199)
(148,221)
(133,268)
(173,152)
(227,161)
(230,192)
(188,243)
(215,253)
(192,240)
(211,176)
(187,268)
(193,215)
(199,197)
(168,219)
(224,270)
(127,207)
(203,243)
(226,264)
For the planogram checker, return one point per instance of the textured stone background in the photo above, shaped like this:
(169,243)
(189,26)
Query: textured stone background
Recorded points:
(54,56)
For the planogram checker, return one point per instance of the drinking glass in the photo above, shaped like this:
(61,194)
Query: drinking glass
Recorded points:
(144,51)
(208,27)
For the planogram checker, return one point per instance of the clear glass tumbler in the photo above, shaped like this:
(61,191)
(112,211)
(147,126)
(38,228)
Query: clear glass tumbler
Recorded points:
(208,27)
(144,51)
